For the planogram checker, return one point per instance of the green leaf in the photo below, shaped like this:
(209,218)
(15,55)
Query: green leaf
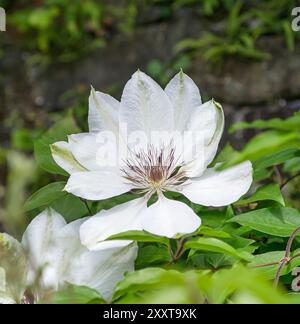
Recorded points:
(264,144)
(292,165)
(70,207)
(52,195)
(226,154)
(211,260)
(76,295)
(241,243)
(44,159)
(262,174)
(276,158)
(138,280)
(46,195)
(213,218)
(58,132)
(289,124)
(269,271)
(273,221)
(207,231)
(140,236)
(150,255)
(267,192)
(217,246)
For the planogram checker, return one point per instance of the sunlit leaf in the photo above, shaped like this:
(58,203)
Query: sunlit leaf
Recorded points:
(140,236)
(46,195)
(274,221)
(267,192)
(75,295)
(217,246)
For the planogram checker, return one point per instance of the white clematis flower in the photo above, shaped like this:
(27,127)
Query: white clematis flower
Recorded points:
(155,167)
(51,256)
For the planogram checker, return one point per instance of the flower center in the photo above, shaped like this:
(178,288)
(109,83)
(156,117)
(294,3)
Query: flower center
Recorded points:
(154,169)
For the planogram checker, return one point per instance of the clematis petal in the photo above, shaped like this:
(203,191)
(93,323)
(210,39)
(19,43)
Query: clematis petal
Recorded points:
(185,97)
(96,185)
(6,295)
(103,113)
(13,270)
(38,241)
(107,268)
(84,147)
(206,128)
(55,248)
(62,155)
(96,152)
(220,188)
(169,218)
(145,106)
(116,220)
(100,270)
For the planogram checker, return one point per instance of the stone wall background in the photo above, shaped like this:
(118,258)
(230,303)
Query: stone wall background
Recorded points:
(247,89)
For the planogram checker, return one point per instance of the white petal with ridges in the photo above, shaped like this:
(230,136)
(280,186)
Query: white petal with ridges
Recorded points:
(206,126)
(62,155)
(169,218)
(145,106)
(103,112)
(220,188)
(39,242)
(84,148)
(185,97)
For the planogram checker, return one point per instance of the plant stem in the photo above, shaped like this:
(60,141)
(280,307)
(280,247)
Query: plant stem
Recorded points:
(295,257)
(286,258)
(179,251)
(289,180)
(278,174)
(87,206)
(180,248)
(265,265)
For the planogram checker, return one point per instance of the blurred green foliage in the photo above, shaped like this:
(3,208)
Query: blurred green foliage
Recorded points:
(21,175)
(65,30)
(244,25)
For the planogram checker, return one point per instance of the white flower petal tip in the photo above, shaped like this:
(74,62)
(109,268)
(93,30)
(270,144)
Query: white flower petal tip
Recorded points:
(103,112)
(62,155)
(119,219)
(145,106)
(220,188)
(207,126)
(185,97)
(170,218)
